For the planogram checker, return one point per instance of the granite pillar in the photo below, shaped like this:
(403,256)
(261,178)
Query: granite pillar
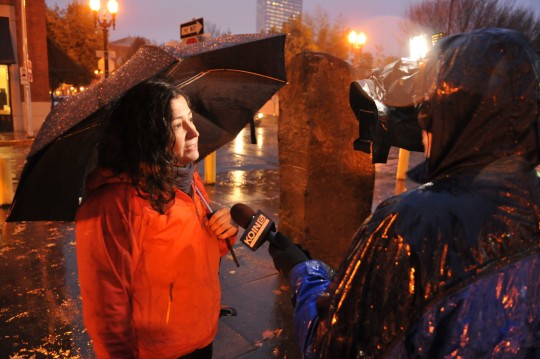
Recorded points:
(326,187)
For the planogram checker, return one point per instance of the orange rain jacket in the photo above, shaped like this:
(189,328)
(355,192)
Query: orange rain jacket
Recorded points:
(149,282)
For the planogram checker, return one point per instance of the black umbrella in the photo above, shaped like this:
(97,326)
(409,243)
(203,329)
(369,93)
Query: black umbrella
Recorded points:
(228,79)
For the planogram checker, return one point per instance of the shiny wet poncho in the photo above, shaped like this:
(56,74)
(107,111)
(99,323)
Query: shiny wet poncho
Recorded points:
(451,269)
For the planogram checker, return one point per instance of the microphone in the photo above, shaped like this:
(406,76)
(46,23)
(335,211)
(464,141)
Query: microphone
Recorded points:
(258,226)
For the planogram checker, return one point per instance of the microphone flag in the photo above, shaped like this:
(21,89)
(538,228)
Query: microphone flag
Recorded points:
(257,230)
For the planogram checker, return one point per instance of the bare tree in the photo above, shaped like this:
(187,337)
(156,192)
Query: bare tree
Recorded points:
(454,16)
(214,30)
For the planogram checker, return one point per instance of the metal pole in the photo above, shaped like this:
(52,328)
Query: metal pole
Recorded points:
(6,181)
(28,96)
(359,61)
(105,28)
(210,168)
(403,164)
(355,59)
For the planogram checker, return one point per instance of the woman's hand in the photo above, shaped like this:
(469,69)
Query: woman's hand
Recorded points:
(220,223)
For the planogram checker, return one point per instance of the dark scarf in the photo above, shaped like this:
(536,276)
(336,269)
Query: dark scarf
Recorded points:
(184,177)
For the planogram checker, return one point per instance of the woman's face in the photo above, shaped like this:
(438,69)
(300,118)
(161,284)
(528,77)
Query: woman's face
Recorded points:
(186,146)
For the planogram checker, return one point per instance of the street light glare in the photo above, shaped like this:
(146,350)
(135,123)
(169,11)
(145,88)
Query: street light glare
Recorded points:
(95,5)
(418,47)
(361,39)
(113,6)
(352,37)
(358,39)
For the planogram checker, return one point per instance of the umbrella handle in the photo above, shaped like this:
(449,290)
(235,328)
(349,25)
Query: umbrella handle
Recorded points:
(229,246)
(202,198)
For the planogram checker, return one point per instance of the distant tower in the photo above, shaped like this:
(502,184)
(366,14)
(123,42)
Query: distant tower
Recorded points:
(273,13)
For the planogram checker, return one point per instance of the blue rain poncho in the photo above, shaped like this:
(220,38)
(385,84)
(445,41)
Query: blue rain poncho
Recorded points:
(449,269)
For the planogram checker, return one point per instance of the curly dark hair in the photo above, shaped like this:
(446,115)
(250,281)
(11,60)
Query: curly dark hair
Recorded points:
(138,140)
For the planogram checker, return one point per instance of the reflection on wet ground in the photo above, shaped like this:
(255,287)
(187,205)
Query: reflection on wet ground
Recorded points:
(249,173)
(40,315)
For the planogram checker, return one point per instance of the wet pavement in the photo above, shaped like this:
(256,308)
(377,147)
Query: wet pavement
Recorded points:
(40,309)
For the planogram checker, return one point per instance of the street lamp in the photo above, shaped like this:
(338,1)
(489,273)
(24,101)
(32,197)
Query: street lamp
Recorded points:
(105,23)
(418,47)
(357,41)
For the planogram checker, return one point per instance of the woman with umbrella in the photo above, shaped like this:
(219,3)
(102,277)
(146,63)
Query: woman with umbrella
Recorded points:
(147,253)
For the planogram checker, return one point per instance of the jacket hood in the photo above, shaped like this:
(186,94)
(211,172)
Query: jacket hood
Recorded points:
(102,176)
(481,101)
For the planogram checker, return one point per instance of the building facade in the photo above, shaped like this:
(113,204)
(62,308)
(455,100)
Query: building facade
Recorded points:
(271,14)
(15,113)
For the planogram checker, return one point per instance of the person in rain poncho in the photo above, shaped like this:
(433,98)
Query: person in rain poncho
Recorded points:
(450,269)
(148,256)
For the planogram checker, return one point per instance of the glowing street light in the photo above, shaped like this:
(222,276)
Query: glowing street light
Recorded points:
(357,41)
(105,22)
(418,47)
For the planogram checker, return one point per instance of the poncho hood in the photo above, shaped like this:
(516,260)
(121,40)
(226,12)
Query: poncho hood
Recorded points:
(481,101)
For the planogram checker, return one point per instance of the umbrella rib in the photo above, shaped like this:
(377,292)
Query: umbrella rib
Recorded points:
(79,131)
(204,73)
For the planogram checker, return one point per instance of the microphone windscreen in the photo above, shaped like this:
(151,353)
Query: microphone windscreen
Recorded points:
(242,214)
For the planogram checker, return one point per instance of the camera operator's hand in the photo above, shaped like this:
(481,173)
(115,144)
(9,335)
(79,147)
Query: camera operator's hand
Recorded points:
(286,254)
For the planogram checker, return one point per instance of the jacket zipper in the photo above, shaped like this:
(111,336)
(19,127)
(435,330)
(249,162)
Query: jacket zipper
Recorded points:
(170,304)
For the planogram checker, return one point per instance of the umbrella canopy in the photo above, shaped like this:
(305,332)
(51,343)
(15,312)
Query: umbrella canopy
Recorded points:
(228,79)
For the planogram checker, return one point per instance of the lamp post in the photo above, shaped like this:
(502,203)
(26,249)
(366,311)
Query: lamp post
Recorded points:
(357,41)
(26,72)
(105,22)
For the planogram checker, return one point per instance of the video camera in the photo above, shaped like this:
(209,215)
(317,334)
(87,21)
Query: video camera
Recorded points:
(386,108)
